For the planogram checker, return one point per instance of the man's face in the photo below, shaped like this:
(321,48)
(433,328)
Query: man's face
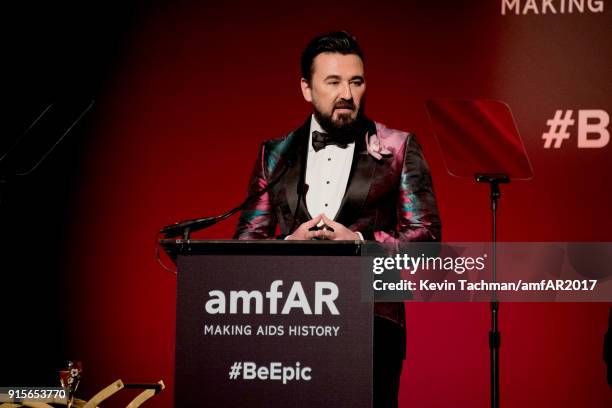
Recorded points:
(336,90)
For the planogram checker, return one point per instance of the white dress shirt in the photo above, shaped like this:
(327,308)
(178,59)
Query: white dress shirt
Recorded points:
(327,174)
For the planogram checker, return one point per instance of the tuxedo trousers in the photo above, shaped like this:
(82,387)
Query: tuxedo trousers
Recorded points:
(389,352)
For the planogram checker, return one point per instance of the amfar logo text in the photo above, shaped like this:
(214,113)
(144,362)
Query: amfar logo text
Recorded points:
(551,6)
(325,294)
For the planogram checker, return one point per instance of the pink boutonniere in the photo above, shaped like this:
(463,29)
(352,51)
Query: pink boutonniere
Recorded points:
(375,147)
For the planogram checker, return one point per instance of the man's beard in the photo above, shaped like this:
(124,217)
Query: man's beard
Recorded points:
(343,126)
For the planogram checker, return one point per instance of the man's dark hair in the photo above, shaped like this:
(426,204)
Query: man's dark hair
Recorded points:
(337,41)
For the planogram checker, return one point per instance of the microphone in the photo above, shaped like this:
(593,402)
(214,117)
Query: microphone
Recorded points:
(186,227)
(301,194)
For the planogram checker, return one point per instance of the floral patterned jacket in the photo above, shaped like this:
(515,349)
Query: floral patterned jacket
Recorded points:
(389,195)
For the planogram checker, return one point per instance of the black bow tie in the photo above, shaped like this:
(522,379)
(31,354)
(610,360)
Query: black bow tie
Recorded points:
(320,140)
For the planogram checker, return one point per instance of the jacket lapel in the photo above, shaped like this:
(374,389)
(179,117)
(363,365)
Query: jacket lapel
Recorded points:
(360,180)
(295,175)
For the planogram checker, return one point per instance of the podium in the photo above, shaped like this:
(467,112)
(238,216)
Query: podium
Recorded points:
(271,323)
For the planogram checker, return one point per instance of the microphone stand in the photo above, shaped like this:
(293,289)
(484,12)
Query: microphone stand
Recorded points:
(494,180)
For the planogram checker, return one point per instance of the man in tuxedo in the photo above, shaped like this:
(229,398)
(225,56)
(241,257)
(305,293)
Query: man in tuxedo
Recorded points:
(342,176)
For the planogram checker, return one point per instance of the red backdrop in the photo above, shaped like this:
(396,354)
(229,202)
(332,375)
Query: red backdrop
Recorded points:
(202,85)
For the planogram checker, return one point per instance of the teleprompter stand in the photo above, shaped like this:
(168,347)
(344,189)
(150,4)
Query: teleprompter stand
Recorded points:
(30,149)
(494,180)
(478,138)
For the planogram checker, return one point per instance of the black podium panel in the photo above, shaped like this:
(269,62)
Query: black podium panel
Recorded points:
(271,330)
